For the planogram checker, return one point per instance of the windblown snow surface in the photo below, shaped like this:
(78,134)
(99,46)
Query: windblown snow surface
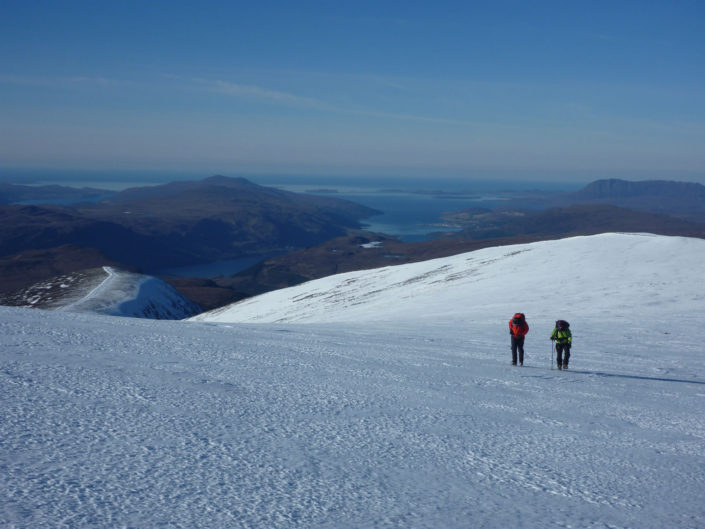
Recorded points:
(390,403)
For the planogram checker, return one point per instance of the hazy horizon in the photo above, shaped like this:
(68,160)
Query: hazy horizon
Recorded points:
(118,180)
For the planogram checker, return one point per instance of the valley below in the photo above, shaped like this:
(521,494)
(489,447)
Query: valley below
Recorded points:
(222,239)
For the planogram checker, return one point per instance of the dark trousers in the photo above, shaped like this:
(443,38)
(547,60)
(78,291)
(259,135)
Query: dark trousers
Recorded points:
(517,345)
(564,350)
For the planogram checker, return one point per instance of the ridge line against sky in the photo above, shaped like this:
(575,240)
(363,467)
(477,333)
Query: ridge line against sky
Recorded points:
(549,91)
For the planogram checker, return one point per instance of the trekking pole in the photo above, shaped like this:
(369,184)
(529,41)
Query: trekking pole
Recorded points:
(553,352)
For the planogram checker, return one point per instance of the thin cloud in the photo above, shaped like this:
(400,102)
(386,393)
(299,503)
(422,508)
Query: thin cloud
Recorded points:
(229,88)
(257,92)
(285,98)
(61,82)
(100,81)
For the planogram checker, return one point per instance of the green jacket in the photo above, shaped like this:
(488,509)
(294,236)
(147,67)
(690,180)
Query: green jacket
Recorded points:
(562,336)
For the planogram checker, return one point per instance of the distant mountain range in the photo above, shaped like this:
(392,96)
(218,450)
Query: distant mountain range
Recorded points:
(170,225)
(678,199)
(579,219)
(220,218)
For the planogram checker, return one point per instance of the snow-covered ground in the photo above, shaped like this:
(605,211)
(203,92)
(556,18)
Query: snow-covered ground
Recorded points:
(613,278)
(407,414)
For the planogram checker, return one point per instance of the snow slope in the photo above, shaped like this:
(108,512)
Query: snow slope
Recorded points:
(607,277)
(109,291)
(403,418)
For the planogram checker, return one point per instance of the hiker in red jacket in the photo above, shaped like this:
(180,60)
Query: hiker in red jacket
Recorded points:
(517,330)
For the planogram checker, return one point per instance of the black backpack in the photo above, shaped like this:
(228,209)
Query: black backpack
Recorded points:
(562,325)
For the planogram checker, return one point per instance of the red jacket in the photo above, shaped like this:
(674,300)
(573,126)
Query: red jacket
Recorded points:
(518,330)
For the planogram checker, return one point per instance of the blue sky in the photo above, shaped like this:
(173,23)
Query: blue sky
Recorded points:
(520,90)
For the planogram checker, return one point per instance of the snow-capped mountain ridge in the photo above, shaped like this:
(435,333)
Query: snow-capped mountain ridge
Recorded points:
(109,291)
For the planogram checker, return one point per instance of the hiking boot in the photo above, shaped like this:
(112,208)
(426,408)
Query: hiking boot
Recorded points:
(560,366)
(565,366)
(521,364)
(514,363)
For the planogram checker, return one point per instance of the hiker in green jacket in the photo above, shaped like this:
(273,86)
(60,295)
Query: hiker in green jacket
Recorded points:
(564,339)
